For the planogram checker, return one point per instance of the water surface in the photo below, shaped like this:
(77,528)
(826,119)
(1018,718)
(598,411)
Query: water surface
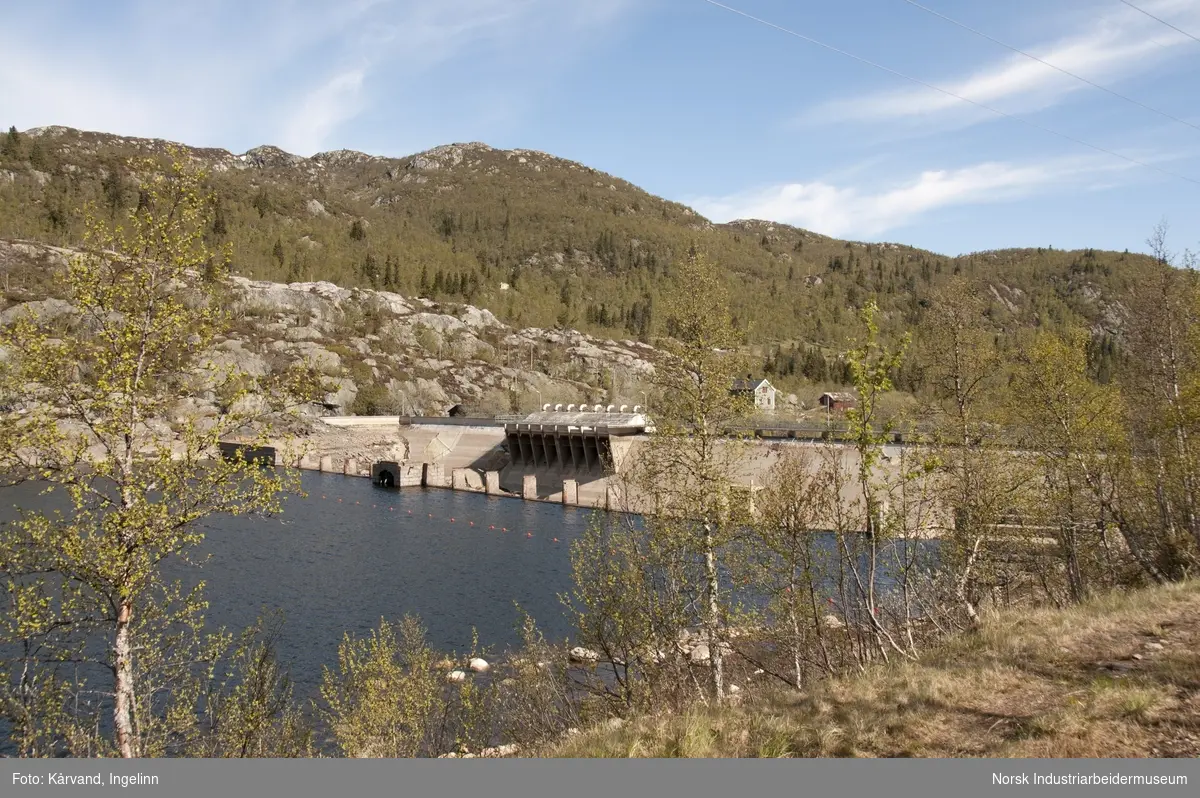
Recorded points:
(352,553)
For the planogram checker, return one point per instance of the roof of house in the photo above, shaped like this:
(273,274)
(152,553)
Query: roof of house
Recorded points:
(838,396)
(748,385)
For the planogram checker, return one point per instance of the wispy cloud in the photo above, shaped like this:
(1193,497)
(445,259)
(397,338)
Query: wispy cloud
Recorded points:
(1119,44)
(858,211)
(291,72)
(321,111)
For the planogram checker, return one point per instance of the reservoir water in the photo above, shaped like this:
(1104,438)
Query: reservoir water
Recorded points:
(352,553)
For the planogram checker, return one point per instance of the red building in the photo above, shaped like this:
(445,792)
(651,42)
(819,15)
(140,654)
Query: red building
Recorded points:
(836,402)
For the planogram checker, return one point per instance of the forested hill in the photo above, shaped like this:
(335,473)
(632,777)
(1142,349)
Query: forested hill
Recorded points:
(542,241)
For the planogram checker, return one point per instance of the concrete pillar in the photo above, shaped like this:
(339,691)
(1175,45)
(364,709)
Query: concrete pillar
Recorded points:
(458,479)
(577,457)
(435,475)
(529,487)
(570,492)
(350,467)
(491,482)
(327,463)
(612,498)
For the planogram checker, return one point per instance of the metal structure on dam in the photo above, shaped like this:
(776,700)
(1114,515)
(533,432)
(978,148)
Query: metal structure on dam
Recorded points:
(574,440)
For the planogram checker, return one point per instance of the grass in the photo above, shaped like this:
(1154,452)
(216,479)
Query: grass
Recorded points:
(1090,681)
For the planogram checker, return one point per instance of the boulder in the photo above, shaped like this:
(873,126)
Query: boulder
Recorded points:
(701,653)
(579,654)
(478,665)
(317,357)
(302,334)
(230,357)
(456,676)
(831,621)
(500,751)
(42,310)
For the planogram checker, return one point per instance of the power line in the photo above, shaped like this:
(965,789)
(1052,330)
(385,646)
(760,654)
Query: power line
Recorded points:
(1163,21)
(949,93)
(1052,66)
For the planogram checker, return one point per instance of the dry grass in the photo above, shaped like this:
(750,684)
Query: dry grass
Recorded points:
(1119,676)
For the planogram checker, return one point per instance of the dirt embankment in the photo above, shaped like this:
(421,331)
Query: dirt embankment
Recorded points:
(1116,677)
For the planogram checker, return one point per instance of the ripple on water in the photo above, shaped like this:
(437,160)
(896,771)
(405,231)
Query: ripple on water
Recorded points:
(336,566)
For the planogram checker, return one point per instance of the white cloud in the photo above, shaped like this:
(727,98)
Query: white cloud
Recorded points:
(1117,45)
(321,111)
(290,72)
(856,211)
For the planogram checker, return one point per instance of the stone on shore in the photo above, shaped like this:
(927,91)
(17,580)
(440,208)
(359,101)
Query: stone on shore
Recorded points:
(579,654)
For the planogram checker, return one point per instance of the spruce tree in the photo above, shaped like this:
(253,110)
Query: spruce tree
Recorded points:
(10,147)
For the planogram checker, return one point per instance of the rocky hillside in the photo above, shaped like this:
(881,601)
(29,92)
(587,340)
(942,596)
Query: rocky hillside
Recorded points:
(543,242)
(389,354)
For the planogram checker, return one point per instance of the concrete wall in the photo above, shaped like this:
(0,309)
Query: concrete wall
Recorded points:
(435,476)
(470,458)
(466,479)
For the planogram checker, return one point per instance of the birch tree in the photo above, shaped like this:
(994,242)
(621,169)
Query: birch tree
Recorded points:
(686,475)
(87,599)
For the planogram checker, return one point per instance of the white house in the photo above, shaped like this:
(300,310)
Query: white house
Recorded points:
(763,392)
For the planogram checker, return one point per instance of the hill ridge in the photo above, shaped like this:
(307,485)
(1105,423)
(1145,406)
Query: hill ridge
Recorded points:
(544,241)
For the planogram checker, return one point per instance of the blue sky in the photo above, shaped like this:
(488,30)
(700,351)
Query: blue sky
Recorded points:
(686,99)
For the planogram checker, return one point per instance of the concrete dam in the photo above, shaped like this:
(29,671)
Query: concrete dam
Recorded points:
(561,453)
(565,454)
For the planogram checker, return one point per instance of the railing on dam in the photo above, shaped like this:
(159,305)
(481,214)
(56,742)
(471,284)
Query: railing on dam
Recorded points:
(764,428)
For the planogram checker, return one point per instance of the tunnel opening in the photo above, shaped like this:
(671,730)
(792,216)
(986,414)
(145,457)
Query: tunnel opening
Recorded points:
(386,479)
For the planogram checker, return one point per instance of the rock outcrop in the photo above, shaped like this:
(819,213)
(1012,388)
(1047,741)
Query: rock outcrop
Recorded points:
(417,357)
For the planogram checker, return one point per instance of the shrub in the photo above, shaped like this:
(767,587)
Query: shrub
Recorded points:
(375,400)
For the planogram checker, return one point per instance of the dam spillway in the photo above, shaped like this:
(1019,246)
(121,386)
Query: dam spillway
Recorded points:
(572,440)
